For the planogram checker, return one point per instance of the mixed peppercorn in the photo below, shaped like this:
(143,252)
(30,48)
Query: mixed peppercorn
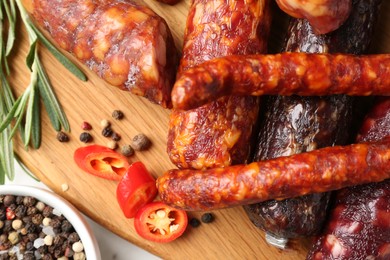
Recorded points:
(30,229)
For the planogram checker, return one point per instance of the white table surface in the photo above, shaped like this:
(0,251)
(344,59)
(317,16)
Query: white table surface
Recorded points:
(111,246)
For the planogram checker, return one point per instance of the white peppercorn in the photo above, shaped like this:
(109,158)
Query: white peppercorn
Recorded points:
(112,145)
(78,247)
(48,240)
(40,205)
(79,256)
(13,237)
(17,224)
(105,123)
(46,221)
(1,224)
(127,150)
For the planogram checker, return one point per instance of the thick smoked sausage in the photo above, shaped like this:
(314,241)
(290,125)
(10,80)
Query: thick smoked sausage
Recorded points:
(294,124)
(286,73)
(323,15)
(218,134)
(126,44)
(320,170)
(359,222)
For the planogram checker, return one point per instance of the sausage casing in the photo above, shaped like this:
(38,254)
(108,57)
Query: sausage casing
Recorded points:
(218,134)
(303,74)
(126,44)
(320,170)
(324,16)
(294,124)
(359,223)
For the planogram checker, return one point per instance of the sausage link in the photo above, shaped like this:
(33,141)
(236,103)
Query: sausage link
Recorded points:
(283,74)
(324,16)
(218,134)
(359,223)
(297,124)
(320,170)
(169,2)
(126,44)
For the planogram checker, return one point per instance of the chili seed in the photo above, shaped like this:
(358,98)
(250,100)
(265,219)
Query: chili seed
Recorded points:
(85,137)
(62,137)
(207,218)
(194,222)
(107,131)
(117,114)
(127,150)
(86,126)
(140,142)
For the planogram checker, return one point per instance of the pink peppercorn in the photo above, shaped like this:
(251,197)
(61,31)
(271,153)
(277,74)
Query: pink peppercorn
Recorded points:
(86,126)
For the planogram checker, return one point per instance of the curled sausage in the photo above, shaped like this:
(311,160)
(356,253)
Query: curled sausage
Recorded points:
(323,15)
(218,134)
(320,170)
(286,73)
(359,223)
(126,44)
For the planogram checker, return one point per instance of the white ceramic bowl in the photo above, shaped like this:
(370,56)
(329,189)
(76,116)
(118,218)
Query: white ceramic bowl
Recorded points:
(91,247)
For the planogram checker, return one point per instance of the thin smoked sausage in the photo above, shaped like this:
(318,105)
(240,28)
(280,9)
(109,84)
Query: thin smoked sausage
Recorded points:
(320,170)
(303,74)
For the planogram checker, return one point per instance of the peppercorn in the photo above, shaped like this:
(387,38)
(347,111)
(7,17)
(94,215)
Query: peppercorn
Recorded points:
(29,256)
(116,137)
(194,222)
(21,211)
(47,257)
(73,238)
(7,226)
(32,236)
(1,224)
(117,114)
(85,137)
(112,145)
(3,215)
(140,142)
(19,200)
(127,150)
(107,131)
(66,226)
(207,218)
(3,238)
(40,205)
(62,137)
(86,126)
(13,237)
(8,200)
(29,201)
(55,222)
(17,224)
(32,211)
(105,123)
(37,219)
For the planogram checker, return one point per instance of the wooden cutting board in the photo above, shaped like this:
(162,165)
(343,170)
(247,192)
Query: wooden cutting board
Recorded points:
(230,236)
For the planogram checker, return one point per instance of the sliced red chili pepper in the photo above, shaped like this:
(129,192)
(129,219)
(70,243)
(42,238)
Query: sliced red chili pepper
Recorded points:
(101,161)
(159,222)
(136,188)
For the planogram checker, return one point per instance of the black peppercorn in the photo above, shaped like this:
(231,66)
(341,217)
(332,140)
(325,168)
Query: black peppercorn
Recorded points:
(116,137)
(29,201)
(66,226)
(117,114)
(85,137)
(20,211)
(62,137)
(8,200)
(107,131)
(31,211)
(47,211)
(29,256)
(207,218)
(19,200)
(3,215)
(37,219)
(73,238)
(194,222)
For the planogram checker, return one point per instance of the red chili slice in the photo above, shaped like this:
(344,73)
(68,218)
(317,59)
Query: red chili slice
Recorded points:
(159,222)
(136,188)
(101,161)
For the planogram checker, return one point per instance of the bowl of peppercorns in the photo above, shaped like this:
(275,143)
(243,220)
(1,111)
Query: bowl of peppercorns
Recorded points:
(38,224)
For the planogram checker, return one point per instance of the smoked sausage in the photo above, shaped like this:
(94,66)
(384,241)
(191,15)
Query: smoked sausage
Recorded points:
(323,15)
(359,223)
(286,73)
(218,134)
(320,170)
(294,124)
(126,44)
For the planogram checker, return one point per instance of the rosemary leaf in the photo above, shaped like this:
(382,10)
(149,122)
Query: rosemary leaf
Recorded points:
(55,122)
(36,122)
(8,155)
(7,120)
(11,15)
(32,53)
(20,109)
(52,101)
(69,65)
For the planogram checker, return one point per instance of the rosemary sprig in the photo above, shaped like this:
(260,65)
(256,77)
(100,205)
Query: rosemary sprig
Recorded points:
(24,112)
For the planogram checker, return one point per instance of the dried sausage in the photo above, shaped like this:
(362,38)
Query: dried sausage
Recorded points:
(359,223)
(218,134)
(294,124)
(169,2)
(286,73)
(320,170)
(126,44)
(324,15)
